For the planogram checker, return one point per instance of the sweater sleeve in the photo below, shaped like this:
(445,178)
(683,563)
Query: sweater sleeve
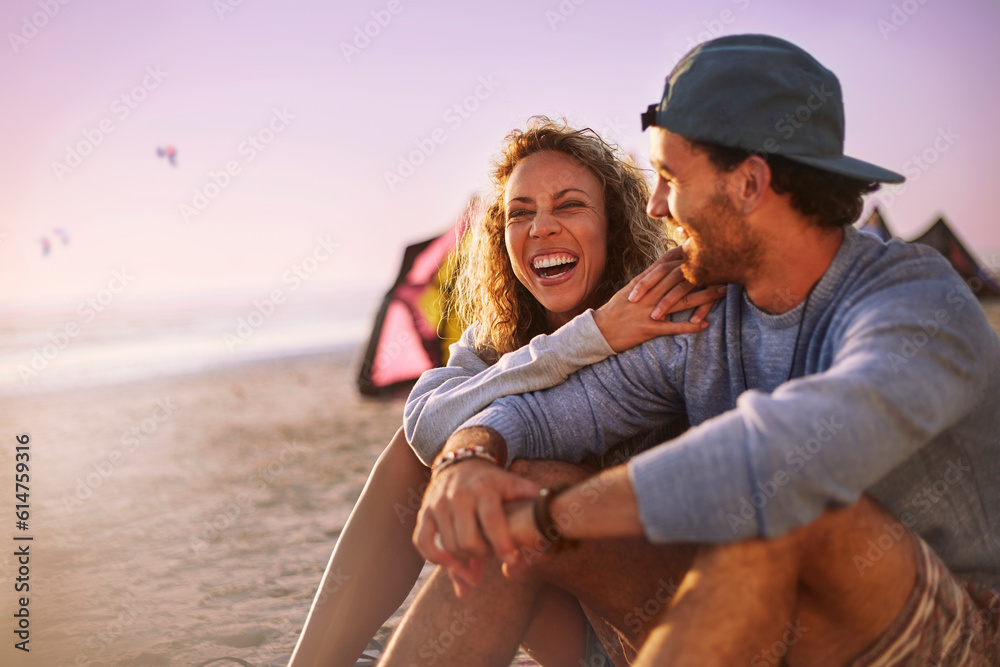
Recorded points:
(445,397)
(601,405)
(907,364)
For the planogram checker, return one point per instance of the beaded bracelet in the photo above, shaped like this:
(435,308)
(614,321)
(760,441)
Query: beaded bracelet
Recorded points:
(463,454)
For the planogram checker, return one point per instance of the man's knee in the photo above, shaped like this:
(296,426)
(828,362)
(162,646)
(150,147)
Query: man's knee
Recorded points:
(549,473)
(825,542)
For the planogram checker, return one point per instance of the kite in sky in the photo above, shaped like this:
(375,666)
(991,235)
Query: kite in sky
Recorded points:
(169,152)
(46,246)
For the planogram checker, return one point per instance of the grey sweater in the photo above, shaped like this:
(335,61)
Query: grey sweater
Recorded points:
(895,392)
(445,397)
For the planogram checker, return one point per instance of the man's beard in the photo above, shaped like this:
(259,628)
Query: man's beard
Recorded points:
(723,249)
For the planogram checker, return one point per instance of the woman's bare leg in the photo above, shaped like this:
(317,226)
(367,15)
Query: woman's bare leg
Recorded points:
(374,564)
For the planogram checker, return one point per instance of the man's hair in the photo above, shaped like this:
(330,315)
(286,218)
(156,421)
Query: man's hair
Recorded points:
(828,199)
(488,292)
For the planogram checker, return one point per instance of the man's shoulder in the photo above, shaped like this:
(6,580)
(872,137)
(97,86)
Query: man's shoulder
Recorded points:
(900,260)
(895,283)
(897,269)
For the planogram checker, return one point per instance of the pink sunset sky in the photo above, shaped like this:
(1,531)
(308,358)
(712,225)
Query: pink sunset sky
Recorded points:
(287,119)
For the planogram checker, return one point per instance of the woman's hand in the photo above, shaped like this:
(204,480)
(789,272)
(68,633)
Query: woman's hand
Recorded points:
(462,518)
(634,314)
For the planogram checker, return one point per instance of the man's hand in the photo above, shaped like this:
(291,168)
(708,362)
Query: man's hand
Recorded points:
(462,517)
(634,314)
(529,543)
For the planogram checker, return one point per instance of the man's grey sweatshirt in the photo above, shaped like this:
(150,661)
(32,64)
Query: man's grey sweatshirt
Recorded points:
(895,391)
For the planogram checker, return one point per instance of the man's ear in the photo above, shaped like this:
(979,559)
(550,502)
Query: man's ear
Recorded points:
(752,183)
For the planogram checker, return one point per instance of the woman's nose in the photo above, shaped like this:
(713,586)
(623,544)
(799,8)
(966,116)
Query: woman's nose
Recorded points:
(544,224)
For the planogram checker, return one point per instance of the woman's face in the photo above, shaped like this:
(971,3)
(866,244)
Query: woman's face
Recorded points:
(556,232)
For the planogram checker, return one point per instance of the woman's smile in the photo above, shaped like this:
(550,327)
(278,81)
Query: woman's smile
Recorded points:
(556,232)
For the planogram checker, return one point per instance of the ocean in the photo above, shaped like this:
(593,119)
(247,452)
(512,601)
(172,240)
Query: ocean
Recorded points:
(45,348)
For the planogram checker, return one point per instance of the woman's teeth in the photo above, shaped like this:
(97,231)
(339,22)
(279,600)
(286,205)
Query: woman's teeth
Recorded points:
(552,266)
(552,260)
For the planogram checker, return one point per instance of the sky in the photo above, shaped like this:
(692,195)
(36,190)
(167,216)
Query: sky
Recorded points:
(316,139)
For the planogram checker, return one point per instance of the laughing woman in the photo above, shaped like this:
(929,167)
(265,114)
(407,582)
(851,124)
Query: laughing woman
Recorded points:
(564,233)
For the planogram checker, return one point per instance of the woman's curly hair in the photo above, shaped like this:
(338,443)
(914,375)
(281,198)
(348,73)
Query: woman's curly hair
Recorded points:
(487,291)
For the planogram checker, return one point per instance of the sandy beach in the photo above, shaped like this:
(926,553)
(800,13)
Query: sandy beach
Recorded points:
(185,518)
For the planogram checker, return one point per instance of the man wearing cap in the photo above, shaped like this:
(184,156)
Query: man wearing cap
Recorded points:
(837,499)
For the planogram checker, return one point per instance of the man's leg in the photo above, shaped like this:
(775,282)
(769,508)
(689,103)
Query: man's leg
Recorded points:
(803,597)
(625,581)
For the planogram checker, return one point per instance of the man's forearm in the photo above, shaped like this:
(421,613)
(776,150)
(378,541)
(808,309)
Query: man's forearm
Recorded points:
(602,507)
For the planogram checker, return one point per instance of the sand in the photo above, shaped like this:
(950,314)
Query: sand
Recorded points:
(181,519)
(185,518)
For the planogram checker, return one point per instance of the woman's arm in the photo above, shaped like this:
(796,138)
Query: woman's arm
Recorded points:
(444,398)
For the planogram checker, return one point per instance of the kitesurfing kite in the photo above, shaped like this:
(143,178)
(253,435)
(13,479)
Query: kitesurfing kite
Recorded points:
(941,237)
(169,152)
(61,233)
(46,246)
(415,324)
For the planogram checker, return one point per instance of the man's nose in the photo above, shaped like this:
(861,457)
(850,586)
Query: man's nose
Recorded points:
(658,206)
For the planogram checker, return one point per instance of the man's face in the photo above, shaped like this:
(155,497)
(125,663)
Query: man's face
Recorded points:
(719,246)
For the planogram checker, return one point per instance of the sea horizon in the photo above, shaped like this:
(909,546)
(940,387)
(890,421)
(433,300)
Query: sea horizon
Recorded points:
(80,343)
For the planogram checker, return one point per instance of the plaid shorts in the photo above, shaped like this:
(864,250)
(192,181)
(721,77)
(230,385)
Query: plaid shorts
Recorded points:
(944,623)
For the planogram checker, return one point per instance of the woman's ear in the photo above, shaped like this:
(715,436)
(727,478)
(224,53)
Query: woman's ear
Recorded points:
(753,181)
